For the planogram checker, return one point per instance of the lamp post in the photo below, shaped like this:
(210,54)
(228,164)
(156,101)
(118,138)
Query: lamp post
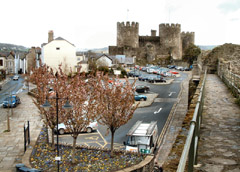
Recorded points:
(67,107)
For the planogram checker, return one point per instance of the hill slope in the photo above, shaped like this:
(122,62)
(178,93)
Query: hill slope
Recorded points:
(12,47)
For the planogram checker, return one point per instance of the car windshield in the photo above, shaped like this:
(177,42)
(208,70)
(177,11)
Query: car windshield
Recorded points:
(9,98)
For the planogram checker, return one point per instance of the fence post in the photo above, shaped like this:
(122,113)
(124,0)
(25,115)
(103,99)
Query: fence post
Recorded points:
(28,133)
(24,138)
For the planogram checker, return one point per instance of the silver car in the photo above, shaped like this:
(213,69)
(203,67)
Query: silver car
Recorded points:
(16,77)
(90,128)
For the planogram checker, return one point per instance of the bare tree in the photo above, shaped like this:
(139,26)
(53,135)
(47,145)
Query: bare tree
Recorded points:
(43,77)
(84,96)
(117,102)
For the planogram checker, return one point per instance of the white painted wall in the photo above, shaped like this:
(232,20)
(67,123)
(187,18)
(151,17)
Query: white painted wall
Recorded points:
(104,61)
(60,51)
(4,63)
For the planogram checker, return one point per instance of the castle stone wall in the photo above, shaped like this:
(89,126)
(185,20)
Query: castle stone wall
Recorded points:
(169,42)
(187,39)
(127,35)
(170,39)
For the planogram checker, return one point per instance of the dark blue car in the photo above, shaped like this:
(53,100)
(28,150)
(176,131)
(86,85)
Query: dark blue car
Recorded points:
(11,101)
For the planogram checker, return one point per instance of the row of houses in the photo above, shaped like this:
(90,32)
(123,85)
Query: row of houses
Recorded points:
(19,62)
(58,51)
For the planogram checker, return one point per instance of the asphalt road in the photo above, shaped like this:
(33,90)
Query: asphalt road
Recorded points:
(11,87)
(158,111)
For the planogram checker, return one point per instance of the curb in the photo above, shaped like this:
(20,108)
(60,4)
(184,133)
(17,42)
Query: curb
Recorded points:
(167,130)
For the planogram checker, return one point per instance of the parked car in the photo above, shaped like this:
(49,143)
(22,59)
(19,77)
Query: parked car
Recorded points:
(174,72)
(151,79)
(15,77)
(133,73)
(186,69)
(143,78)
(11,101)
(169,74)
(139,97)
(0,87)
(142,88)
(156,79)
(90,128)
(171,66)
(159,79)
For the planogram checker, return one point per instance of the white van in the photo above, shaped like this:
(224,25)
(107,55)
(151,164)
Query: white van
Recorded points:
(142,137)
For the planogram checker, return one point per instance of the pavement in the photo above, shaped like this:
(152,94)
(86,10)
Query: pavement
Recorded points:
(219,146)
(12,143)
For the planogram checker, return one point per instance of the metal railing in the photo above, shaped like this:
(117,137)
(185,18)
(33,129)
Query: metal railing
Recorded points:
(232,80)
(191,145)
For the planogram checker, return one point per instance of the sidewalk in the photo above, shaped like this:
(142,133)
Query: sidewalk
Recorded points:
(12,143)
(219,146)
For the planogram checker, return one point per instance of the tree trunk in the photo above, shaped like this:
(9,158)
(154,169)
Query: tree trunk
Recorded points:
(112,139)
(53,142)
(74,149)
(47,134)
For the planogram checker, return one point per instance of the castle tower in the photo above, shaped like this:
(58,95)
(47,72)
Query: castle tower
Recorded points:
(127,35)
(153,33)
(170,39)
(187,39)
(50,36)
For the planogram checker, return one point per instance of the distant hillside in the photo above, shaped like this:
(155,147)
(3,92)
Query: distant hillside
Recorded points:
(12,47)
(207,47)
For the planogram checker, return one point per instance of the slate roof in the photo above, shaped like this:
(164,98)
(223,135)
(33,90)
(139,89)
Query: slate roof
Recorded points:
(58,39)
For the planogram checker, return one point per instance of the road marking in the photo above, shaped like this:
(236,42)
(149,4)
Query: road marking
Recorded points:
(99,144)
(105,142)
(158,111)
(92,138)
(170,94)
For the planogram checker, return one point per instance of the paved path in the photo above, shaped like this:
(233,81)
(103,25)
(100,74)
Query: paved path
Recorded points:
(12,143)
(219,146)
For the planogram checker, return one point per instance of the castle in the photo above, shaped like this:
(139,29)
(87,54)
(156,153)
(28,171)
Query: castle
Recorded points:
(170,42)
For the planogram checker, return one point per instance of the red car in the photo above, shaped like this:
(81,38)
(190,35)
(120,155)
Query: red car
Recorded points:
(174,72)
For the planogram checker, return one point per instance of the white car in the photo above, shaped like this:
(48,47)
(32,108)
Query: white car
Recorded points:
(16,77)
(90,128)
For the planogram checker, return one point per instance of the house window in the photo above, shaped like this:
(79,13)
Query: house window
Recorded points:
(1,62)
(57,48)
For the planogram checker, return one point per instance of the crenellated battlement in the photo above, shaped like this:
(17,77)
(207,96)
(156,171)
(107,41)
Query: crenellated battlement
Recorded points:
(128,24)
(169,26)
(170,39)
(188,33)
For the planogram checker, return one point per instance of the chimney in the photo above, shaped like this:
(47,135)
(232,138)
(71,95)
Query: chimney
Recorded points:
(50,36)
(153,32)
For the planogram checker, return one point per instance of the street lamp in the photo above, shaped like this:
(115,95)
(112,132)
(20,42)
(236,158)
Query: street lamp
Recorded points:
(67,107)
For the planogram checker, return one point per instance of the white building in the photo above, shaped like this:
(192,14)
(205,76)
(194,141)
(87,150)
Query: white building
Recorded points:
(104,60)
(59,51)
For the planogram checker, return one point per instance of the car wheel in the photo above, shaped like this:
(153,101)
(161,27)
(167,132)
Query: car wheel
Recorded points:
(89,130)
(145,91)
(61,131)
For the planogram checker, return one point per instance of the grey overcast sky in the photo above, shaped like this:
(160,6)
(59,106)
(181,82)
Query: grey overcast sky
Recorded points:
(92,23)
